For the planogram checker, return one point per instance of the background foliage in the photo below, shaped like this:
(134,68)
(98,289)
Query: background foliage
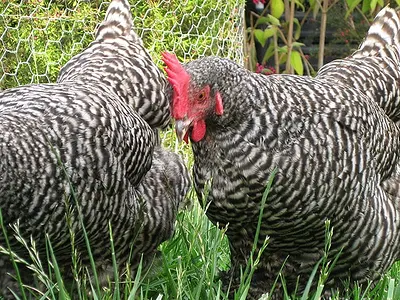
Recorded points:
(37,37)
(308,32)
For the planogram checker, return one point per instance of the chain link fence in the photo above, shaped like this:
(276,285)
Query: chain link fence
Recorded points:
(37,37)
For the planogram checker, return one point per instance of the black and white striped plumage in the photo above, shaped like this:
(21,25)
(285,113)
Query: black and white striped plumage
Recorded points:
(88,141)
(334,142)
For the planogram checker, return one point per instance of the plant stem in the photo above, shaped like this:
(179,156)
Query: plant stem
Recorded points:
(307,64)
(363,16)
(305,17)
(246,52)
(287,9)
(276,54)
(324,16)
(350,19)
(289,69)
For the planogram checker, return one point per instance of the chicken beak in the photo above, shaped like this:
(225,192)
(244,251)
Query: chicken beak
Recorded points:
(181,127)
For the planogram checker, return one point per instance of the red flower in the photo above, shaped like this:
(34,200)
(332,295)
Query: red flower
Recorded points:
(258,1)
(259,68)
(265,70)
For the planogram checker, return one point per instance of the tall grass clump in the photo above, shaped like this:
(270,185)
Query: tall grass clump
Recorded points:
(188,268)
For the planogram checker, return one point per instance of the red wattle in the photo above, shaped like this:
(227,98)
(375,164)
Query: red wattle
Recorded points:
(219,108)
(198,131)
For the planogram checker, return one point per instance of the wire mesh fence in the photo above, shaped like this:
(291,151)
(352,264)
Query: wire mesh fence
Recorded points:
(37,37)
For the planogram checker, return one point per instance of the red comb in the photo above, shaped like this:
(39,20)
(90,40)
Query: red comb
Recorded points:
(179,79)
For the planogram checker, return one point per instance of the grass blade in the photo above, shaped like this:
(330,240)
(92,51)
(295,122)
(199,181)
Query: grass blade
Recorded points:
(18,275)
(62,294)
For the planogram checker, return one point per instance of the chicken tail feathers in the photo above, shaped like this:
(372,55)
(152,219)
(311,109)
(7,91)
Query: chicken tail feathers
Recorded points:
(383,37)
(118,22)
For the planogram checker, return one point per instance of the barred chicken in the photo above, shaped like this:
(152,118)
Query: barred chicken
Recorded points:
(334,143)
(87,145)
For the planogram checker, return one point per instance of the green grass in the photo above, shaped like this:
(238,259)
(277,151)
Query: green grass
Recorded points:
(189,265)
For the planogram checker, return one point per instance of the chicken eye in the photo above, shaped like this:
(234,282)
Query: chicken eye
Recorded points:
(202,96)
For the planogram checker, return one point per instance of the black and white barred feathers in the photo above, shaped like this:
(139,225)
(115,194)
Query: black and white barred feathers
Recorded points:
(87,143)
(334,141)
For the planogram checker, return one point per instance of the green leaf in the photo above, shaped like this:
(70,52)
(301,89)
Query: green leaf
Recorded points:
(352,5)
(262,20)
(298,29)
(283,49)
(306,292)
(373,4)
(299,4)
(273,20)
(268,53)
(366,6)
(269,19)
(263,35)
(259,35)
(297,44)
(277,8)
(381,3)
(296,62)
(315,5)
(390,292)
(282,58)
